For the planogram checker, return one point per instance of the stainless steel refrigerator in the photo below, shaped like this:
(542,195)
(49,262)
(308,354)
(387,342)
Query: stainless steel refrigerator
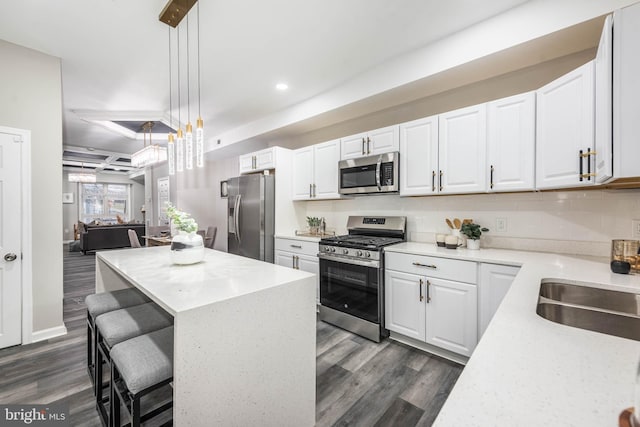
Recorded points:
(251,216)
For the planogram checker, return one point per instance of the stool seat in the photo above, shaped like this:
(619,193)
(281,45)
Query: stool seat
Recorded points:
(105,302)
(145,361)
(121,325)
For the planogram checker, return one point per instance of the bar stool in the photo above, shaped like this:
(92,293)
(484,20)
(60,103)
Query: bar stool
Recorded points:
(101,303)
(120,325)
(139,366)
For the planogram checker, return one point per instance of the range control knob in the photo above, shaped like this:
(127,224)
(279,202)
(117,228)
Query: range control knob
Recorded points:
(359,253)
(367,254)
(333,249)
(327,249)
(345,251)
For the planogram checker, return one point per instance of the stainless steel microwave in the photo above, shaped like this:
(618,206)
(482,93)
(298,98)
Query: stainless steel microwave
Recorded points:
(371,174)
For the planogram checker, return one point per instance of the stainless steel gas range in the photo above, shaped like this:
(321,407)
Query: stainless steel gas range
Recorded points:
(352,274)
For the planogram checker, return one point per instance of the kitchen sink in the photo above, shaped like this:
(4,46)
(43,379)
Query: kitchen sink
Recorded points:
(599,310)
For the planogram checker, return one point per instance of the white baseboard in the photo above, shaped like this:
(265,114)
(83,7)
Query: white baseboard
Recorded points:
(46,334)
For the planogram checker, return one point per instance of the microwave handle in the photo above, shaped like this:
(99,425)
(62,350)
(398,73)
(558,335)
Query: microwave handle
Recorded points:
(378,167)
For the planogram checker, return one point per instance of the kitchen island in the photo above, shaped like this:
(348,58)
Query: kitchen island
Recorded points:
(529,371)
(245,333)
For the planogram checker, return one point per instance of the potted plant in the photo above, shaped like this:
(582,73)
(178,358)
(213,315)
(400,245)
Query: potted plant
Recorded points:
(314,224)
(473,232)
(187,247)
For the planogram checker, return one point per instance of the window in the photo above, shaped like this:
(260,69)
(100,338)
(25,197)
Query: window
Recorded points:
(104,202)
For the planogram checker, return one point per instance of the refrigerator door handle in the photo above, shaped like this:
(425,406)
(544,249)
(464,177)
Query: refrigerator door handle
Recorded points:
(236,217)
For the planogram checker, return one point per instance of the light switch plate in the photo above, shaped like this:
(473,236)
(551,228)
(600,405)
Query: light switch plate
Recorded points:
(635,228)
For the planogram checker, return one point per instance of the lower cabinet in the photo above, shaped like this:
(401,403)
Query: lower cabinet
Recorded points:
(495,281)
(300,255)
(440,312)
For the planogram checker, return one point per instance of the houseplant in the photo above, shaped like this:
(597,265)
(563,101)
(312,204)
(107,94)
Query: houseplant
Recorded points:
(473,232)
(314,224)
(187,247)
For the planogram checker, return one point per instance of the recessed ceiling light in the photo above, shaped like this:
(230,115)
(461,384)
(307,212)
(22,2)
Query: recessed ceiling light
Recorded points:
(282,86)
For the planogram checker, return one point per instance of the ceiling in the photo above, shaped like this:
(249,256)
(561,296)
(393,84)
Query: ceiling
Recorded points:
(115,59)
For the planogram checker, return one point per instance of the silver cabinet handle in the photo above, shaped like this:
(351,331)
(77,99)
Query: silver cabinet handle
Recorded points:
(440,180)
(296,246)
(368,145)
(428,295)
(314,190)
(491,179)
(310,193)
(297,258)
(420,286)
(10,257)
(363,149)
(433,266)
(433,181)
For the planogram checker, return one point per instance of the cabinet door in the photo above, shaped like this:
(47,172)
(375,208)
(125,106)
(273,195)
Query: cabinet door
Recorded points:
(310,264)
(511,143)
(462,150)
(325,170)
(265,159)
(603,104)
(404,310)
(383,140)
(353,146)
(302,173)
(284,259)
(419,157)
(451,315)
(495,281)
(564,129)
(246,163)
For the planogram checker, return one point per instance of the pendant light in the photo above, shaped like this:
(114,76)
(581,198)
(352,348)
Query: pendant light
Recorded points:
(171,148)
(189,133)
(81,176)
(150,154)
(180,141)
(199,122)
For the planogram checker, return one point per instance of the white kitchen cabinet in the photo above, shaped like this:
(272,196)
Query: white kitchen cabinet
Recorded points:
(603,64)
(419,157)
(626,92)
(564,130)
(424,303)
(462,150)
(511,143)
(315,171)
(495,281)
(299,255)
(258,161)
(379,141)
(451,315)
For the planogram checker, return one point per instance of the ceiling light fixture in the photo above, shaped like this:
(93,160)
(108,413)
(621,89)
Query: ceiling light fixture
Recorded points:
(150,154)
(181,152)
(282,86)
(81,176)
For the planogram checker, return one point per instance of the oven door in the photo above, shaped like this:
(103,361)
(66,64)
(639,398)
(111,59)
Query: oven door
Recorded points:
(351,287)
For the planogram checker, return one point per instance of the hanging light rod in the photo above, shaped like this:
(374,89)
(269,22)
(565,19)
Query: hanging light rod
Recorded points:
(175,10)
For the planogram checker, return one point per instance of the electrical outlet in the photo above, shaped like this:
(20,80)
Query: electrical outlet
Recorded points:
(635,228)
(501,224)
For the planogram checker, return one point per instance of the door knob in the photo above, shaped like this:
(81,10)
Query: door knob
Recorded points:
(10,257)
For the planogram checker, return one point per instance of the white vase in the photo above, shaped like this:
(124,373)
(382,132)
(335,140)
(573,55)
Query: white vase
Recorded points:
(473,244)
(187,248)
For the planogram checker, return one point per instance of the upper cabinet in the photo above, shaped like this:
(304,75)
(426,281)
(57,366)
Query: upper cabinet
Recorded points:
(511,126)
(626,92)
(419,157)
(315,171)
(603,104)
(258,161)
(565,130)
(462,150)
(383,140)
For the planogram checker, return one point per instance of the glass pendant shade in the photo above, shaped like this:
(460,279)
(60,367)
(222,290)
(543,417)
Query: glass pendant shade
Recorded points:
(171,155)
(199,143)
(149,155)
(189,147)
(82,177)
(180,152)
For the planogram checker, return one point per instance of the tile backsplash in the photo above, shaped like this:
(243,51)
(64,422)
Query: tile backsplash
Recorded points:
(571,222)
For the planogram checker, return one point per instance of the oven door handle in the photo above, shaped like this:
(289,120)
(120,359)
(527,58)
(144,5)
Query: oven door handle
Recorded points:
(363,263)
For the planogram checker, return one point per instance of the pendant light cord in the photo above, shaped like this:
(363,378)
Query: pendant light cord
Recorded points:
(198,34)
(179,106)
(170,81)
(188,77)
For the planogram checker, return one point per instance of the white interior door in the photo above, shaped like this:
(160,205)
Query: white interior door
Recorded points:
(10,241)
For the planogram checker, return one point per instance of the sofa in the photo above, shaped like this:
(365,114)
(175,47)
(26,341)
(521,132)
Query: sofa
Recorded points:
(96,237)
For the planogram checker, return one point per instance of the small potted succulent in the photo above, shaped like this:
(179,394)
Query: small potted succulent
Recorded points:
(473,232)
(314,224)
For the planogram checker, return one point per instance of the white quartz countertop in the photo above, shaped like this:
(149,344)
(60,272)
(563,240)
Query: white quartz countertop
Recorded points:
(220,276)
(529,371)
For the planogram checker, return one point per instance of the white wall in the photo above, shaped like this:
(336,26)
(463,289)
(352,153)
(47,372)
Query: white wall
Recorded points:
(30,90)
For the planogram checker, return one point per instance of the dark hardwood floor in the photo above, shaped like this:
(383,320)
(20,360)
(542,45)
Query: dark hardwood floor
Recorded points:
(359,383)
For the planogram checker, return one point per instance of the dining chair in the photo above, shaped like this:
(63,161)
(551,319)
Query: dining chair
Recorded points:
(210,237)
(201,232)
(133,238)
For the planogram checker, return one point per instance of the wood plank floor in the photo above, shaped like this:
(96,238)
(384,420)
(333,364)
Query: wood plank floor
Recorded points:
(359,383)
